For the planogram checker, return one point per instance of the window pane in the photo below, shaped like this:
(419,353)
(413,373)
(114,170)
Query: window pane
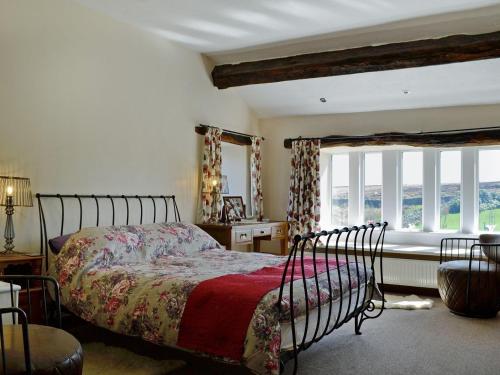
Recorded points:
(340,189)
(412,189)
(451,176)
(489,190)
(373,187)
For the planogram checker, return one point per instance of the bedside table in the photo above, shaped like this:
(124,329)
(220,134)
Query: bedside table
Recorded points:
(23,264)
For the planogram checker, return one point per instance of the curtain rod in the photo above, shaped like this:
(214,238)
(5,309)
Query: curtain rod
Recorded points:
(231,132)
(484,135)
(383,135)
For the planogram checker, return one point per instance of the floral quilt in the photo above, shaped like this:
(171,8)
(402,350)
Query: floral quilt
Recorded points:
(136,280)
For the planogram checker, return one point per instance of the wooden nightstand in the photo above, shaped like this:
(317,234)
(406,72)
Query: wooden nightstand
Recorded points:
(22,264)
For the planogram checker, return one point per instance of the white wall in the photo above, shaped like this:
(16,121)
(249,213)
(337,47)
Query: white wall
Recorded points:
(89,104)
(276,158)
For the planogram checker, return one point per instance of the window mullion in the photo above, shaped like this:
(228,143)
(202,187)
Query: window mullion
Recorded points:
(430,203)
(469,190)
(390,192)
(355,215)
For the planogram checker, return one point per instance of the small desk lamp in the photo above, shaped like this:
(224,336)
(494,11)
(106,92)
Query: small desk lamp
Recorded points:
(14,191)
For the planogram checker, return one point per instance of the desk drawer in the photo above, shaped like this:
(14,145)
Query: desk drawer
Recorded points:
(261,232)
(243,236)
(279,232)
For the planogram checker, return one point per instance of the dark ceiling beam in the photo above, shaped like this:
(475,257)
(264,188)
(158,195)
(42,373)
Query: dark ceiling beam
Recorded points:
(450,49)
(228,136)
(447,138)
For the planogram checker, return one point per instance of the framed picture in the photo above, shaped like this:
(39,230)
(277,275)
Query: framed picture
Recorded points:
(235,207)
(225,185)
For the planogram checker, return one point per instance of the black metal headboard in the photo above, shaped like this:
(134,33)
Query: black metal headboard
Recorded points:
(152,200)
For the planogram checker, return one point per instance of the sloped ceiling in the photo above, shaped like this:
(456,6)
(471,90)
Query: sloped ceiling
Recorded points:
(242,30)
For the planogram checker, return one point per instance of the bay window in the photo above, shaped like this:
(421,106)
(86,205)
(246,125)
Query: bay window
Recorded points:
(416,189)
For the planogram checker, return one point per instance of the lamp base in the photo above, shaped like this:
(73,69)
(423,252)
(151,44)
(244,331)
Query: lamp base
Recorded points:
(9,233)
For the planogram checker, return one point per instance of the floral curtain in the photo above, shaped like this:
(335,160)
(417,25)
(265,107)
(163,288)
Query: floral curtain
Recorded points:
(304,197)
(256,179)
(211,176)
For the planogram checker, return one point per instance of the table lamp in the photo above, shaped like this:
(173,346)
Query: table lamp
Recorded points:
(14,191)
(215,199)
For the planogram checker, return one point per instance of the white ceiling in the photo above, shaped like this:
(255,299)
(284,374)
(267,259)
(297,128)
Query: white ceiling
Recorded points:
(222,25)
(239,30)
(434,86)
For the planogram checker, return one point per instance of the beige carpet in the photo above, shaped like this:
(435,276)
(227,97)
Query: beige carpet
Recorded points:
(400,342)
(100,359)
(417,342)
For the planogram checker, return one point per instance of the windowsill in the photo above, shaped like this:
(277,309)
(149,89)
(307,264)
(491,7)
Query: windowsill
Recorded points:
(417,245)
(411,249)
(428,239)
(441,231)
(437,233)
(405,251)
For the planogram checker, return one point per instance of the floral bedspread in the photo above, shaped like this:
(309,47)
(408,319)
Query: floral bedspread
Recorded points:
(135,280)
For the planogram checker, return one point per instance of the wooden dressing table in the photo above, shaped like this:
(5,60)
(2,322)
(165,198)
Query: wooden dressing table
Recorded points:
(234,234)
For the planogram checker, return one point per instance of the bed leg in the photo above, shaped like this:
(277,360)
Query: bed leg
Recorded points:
(357,325)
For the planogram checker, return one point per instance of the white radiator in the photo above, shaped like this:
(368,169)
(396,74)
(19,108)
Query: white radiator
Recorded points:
(418,273)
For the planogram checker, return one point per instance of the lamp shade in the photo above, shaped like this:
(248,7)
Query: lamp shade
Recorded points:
(19,188)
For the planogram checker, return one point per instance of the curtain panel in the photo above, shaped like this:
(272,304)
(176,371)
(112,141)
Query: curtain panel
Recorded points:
(256,178)
(211,175)
(304,196)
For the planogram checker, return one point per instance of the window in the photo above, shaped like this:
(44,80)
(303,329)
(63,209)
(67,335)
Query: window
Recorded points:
(373,187)
(340,189)
(489,190)
(412,189)
(463,196)
(449,190)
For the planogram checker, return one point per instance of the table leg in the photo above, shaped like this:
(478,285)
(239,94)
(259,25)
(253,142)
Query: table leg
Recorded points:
(256,245)
(284,246)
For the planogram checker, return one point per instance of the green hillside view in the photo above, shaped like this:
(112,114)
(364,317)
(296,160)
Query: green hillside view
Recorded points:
(489,205)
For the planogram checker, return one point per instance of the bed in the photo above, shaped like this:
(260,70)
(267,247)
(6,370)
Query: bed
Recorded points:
(171,284)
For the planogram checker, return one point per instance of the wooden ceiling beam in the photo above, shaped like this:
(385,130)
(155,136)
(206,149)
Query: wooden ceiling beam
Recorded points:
(228,136)
(446,50)
(450,138)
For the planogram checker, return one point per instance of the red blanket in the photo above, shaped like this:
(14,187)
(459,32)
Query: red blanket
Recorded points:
(219,311)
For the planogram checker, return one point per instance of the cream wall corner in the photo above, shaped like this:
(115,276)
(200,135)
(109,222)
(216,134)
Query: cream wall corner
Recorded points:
(92,105)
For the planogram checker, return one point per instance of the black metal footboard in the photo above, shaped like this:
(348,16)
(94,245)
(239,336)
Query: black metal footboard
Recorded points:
(340,286)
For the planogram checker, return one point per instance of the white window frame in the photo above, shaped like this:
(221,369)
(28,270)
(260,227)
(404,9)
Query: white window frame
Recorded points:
(330,187)
(400,187)
(438,190)
(362,184)
(392,190)
(476,186)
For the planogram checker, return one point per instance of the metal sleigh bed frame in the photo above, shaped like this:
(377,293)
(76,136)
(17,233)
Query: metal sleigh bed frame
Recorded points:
(362,245)
(365,245)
